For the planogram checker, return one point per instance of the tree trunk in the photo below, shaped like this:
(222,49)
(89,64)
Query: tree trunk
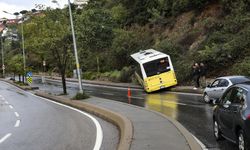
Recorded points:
(64,82)
(23,78)
(98,67)
(14,76)
(19,77)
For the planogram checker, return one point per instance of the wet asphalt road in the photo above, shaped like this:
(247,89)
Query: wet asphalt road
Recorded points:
(31,123)
(188,109)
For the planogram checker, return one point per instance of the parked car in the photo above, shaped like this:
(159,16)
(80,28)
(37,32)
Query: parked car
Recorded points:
(231,117)
(215,90)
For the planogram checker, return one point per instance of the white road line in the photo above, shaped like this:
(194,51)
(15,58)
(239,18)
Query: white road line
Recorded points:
(17,123)
(17,115)
(3,98)
(183,93)
(108,93)
(137,97)
(99,132)
(200,143)
(5,138)
(175,103)
(11,107)
(6,102)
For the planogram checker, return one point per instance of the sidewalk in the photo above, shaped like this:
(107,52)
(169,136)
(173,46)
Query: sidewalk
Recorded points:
(152,131)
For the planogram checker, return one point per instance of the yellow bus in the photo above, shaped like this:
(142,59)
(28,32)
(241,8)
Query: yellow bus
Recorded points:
(155,70)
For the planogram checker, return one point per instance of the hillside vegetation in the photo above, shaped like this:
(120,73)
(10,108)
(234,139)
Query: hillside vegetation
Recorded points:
(216,32)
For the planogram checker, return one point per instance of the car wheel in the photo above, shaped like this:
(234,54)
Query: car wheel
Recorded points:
(206,98)
(217,132)
(242,145)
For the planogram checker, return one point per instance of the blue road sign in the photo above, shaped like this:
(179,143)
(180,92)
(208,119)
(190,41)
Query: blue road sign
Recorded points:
(29,74)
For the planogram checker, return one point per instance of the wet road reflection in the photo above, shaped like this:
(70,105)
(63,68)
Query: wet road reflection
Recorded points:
(188,109)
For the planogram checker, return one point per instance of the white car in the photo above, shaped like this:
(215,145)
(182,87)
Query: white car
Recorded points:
(215,90)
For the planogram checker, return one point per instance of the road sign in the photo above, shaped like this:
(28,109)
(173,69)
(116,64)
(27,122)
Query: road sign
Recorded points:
(3,67)
(29,80)
(29,77)
(29,74)
(44,63)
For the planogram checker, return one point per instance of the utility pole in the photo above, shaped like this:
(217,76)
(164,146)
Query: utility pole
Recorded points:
(75,50)
(24,59)
(2,45)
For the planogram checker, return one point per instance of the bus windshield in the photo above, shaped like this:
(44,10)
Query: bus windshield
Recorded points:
(156,66)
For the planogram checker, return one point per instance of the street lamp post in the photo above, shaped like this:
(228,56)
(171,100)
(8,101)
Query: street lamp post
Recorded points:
(3,67)
(75,47)
(75,50)
(24,59)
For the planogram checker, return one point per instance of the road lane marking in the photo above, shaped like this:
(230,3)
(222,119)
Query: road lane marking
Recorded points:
(17,123)
(183,93)
(99,132)
(6,102)
(175,103)
(137,97)
(108,93)
(3,98)
(5,138)
(17,115)
(11,107)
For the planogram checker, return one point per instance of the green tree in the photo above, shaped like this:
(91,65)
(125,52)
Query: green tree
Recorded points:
(49,36)
(94,29)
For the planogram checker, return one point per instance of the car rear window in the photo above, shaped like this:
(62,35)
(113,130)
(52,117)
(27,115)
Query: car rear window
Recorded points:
(237,80)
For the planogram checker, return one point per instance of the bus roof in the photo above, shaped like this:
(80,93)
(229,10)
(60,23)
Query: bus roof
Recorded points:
(148,55)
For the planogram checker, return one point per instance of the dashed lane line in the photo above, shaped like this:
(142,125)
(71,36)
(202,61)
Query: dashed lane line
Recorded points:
(11,107)
(5,138)
(17,115)
(17,123)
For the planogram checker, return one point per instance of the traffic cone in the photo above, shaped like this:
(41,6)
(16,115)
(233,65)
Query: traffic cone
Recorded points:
(129,92)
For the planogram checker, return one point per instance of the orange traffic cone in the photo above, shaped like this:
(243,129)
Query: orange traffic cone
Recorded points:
(129,92)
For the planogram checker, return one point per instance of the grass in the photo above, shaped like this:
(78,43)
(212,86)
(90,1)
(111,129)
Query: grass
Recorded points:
(80,96)
(21,83)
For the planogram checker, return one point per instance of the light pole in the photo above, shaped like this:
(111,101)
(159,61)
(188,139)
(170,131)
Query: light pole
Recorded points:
(75,47)
(24,59)
(3,67)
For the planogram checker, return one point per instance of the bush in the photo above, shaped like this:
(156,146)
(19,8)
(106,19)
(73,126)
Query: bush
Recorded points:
(242,68)
(126,74)
(90,75)
(80,96)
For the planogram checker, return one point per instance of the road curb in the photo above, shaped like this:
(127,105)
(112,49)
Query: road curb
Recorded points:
(123,123)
